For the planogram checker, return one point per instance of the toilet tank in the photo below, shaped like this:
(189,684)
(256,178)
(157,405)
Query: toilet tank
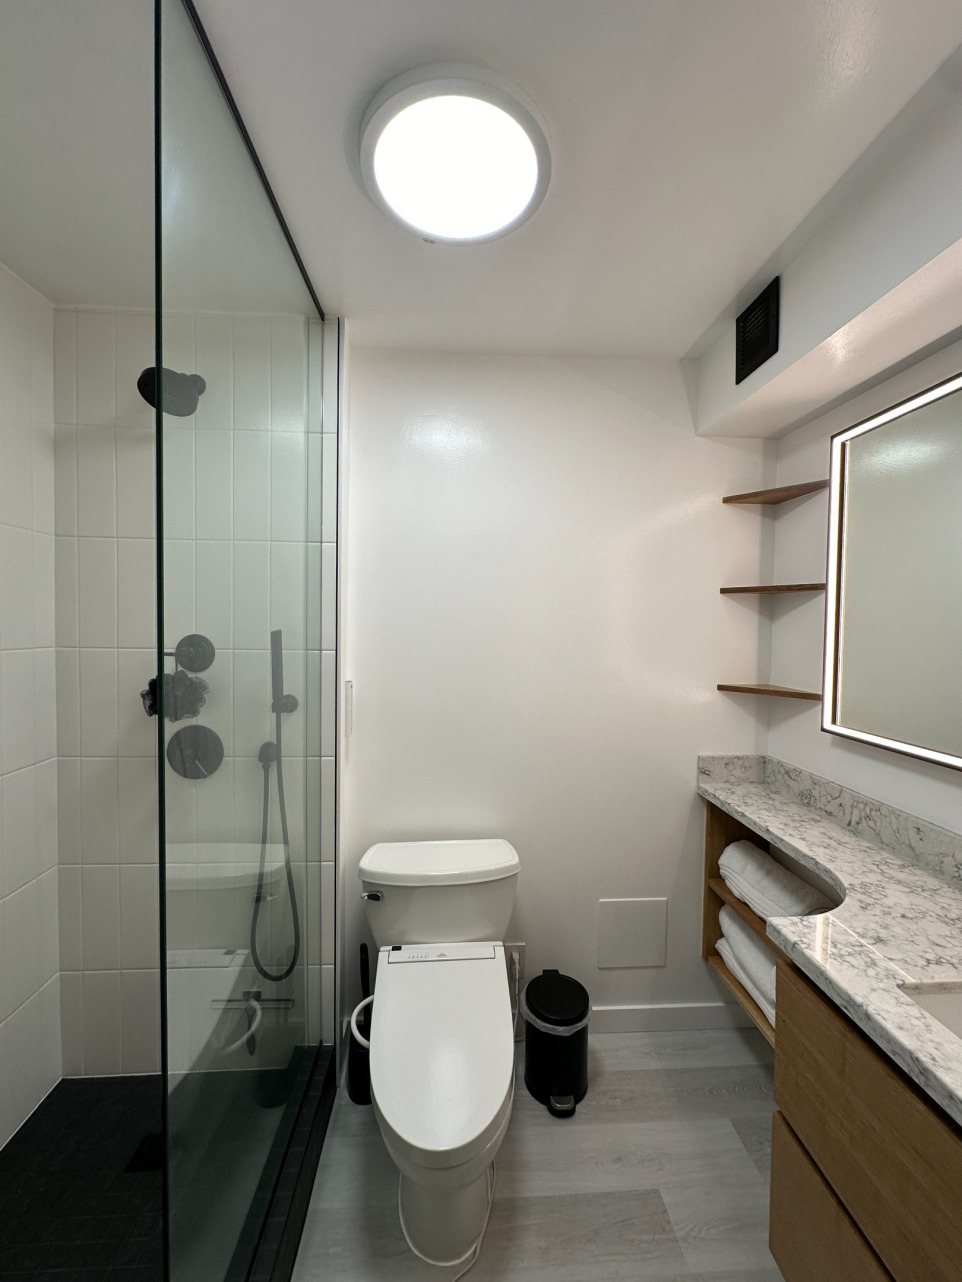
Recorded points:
(439,892)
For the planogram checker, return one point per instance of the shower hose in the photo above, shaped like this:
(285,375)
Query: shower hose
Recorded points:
(269,754)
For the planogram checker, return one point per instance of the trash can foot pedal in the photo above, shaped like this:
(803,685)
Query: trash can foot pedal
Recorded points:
(561,1105)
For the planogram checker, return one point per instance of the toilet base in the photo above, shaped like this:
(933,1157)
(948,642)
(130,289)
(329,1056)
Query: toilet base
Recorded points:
(443,1225)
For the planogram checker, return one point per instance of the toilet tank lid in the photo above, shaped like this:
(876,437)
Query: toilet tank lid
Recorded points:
(439,863)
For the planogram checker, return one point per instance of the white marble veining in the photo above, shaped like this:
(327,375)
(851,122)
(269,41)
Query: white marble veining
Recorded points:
(898,921)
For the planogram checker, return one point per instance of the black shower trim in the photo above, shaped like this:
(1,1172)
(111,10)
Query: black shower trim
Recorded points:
(248,143)
(283,1225)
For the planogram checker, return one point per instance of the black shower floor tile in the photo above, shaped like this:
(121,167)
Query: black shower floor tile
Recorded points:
(72,1211)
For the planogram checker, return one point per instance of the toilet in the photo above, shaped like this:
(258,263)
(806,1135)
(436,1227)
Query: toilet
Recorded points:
(442,1037)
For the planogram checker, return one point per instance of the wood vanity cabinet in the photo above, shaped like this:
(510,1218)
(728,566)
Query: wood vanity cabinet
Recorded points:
(866,1169)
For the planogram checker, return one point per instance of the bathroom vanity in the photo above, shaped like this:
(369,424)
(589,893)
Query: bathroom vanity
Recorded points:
(867,1139)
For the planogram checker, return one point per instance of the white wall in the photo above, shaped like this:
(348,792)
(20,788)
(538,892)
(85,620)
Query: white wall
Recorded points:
(795,733)
(534,631)
(29,981)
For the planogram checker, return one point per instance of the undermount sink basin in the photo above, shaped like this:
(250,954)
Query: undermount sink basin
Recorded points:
(942,1001)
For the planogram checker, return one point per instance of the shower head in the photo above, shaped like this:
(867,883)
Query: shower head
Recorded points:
(181,392)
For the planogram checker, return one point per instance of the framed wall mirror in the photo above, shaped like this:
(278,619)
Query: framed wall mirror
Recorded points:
(893,637)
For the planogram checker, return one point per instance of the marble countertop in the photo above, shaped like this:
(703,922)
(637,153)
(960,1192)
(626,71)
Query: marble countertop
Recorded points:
(899,921)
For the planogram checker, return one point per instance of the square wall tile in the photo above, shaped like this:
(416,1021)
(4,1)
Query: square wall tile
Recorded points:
(64,366)
(51,1048)
(100,838)
(96,367)
(289,486)
(44,476)
(136,732)
(329,489)
(252,375)
(72,1023)
(139,917)
(67,591)
(22,1080)
(214,343)
(96,482)
(101,1023)
(179,589)
(68,702)
(214,563)
(252,485)
(214,480)
(98,703)
(45,686)
(71,917)
(16,475)
(18,854)
(97,603)
(100,892)
(251,596)
(44,594)
(140,1021)
(68,810)
(288,374)
(135,353)
(47,853)
(136,487)
(136,594)
(65,479)
(328,795)
(18,725)
(179,473)
(48,923)
(138,810)
(21,946)
(17,588)
(41,355)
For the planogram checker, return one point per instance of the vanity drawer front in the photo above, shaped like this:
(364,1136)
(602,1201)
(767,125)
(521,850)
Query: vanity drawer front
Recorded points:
(892,1157)
(812,1237)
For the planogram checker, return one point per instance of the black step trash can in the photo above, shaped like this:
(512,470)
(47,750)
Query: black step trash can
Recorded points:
(556,1010)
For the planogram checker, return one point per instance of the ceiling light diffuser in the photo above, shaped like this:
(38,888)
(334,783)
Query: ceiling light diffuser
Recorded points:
(453,157)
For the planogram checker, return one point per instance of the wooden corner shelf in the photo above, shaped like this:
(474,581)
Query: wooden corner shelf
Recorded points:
(780,494)
(776,587)
(781,692)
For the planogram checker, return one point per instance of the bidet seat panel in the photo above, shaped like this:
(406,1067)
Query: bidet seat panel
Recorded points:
(442,1051)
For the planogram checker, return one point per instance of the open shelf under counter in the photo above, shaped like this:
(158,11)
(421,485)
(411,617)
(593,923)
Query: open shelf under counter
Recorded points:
(721,829)
(778,494)
(780,692)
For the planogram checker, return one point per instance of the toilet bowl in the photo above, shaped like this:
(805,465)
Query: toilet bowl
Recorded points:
(442,1071)
(442,1033)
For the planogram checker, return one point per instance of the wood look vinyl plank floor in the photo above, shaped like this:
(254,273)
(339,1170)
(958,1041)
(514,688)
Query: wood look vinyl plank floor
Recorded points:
(662,1176)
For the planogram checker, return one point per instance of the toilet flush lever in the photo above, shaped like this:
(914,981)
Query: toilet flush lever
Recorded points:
(374,895)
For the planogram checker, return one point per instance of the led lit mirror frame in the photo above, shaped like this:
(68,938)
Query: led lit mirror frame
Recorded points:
(841,459)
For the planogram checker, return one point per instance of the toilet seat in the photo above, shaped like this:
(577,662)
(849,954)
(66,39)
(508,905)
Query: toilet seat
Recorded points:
(442,1051)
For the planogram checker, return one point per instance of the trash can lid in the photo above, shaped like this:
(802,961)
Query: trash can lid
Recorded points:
(557,999)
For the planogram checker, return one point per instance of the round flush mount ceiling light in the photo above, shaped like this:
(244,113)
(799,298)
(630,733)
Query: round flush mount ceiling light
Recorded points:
(453,155)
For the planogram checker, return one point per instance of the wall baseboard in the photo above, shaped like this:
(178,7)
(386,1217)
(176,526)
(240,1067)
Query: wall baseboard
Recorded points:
(666,1018)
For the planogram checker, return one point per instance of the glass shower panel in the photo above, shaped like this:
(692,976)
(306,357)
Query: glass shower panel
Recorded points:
(239,459)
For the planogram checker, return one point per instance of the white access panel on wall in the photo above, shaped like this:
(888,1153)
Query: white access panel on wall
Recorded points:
(632,932)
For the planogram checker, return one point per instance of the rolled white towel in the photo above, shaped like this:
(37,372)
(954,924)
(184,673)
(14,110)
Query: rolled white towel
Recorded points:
(767,887)
(754,956)
(731,961)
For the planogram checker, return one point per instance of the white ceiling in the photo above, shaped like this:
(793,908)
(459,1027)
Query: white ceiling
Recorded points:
(688,137)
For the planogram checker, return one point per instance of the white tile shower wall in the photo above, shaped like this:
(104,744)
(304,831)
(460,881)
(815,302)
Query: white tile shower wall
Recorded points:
(104,517)
(30,1052)
(237,503)
(534,632)
(795,734)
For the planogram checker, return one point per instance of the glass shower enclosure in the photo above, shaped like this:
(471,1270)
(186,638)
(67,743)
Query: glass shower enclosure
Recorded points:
(244,387)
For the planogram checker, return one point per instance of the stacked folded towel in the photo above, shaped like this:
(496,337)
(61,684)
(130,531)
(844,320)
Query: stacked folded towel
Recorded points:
(749,959)
(767,887)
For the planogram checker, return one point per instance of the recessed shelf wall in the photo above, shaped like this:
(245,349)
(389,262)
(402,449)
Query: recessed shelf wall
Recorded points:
(782,692)
(780,494)
(776,587)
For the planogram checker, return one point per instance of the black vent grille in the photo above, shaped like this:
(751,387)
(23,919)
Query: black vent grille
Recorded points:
(756,332)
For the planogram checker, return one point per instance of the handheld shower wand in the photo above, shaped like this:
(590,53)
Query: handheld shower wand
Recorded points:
(271,753)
